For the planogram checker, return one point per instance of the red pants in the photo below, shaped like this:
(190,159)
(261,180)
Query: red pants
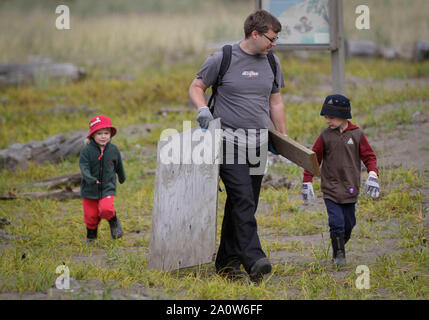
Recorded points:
(96,209)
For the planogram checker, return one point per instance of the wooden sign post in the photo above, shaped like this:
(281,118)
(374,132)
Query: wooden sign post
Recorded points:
(312,25)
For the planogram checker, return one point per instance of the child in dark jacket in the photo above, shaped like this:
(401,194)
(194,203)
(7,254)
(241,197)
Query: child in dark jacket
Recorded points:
(99,162)
(340,148)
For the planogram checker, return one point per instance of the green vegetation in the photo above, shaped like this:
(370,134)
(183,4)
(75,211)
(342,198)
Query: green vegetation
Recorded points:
(389,238)
(56,232)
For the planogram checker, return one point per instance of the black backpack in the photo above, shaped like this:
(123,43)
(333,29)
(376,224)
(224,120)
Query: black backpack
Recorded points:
(226,61)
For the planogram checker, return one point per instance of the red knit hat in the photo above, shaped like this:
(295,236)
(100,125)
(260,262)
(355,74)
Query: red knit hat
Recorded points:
(100,122)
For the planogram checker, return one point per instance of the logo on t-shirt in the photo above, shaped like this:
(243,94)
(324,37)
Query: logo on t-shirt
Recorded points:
(350,141)
(250,74)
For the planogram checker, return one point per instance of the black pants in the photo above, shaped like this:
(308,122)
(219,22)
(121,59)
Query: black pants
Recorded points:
(239,242)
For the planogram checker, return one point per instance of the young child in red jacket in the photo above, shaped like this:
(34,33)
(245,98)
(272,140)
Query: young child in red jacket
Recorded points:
(340,148)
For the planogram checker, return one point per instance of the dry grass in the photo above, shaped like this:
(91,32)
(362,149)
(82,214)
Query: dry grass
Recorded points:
(132,42)
(396,23)
(114,41)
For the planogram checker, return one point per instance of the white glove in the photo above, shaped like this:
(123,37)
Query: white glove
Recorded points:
(307,192)
(372,187)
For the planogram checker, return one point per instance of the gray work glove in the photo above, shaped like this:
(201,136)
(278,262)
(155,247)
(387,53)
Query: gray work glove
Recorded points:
(372,187)
(307,192)
(204,117)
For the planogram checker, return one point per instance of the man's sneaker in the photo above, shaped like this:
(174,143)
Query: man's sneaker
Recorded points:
(115,227)
(259,268)
(232,272)
(91,235)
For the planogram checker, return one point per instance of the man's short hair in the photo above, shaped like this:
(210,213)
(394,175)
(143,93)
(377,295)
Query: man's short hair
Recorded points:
(261,21)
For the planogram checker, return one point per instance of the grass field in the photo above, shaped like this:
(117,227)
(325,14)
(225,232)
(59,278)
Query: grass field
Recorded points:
(391,233)
(55,231)
(131,36)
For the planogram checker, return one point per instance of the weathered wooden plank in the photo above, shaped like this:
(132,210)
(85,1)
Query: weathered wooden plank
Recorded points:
(294,151)
(183,230)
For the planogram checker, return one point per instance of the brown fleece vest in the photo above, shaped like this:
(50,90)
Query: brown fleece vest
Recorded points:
(341,165)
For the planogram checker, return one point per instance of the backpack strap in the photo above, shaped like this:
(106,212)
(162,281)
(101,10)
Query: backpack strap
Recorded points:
(226,61)
(273,66)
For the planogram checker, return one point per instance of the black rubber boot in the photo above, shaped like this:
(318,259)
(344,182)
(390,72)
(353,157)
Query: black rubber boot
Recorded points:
(347,236)
(339,253)
(259,268)
(115,227)
(91,235)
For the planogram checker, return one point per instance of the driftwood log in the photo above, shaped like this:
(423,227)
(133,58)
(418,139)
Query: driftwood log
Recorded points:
(58,182)
(62,194)
(51,149)
(18,74)
(360,48)
(58,147)
(421,50)
(69,184)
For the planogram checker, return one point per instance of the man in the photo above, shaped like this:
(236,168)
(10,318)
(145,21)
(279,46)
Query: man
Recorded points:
(246,99)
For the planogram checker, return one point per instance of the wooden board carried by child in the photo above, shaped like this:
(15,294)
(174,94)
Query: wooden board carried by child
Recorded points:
(295,152)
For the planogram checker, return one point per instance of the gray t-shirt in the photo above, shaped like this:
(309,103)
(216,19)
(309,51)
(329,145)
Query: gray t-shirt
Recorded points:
(242,101)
